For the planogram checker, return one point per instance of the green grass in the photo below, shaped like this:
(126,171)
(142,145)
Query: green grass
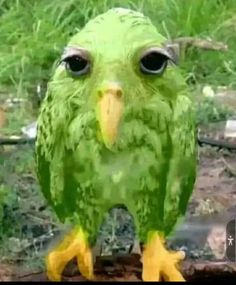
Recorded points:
(34,32)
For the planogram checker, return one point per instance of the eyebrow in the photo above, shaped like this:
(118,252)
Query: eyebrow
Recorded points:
(71,50)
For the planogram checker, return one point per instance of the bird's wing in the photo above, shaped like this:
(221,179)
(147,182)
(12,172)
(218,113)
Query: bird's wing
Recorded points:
(55,180)
(182,165)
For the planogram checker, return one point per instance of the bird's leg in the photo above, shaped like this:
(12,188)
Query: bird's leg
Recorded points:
(74,245)
(158,263)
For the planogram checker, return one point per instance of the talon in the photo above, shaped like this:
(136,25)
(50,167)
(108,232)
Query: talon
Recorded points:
(74,245)
(85,263)
(179,255)
(158,263)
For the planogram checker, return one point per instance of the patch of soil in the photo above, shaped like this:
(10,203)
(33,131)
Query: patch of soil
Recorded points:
(129,268)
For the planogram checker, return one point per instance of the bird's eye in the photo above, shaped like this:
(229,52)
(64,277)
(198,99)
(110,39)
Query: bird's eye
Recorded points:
(153,62)
(77,65)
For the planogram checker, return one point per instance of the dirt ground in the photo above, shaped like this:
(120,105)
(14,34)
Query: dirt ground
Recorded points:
(201,235)
(128,268)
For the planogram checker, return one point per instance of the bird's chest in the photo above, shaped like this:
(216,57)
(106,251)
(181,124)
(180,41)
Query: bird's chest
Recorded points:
(114,177)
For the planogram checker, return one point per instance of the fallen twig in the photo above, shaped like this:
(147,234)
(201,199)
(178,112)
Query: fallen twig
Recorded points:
(42,220)
(30,274)
(39,240)
(186,42)
(228,167)
(216,143)
(16,141)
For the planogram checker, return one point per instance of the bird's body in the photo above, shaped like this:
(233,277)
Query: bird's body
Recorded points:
(117,128)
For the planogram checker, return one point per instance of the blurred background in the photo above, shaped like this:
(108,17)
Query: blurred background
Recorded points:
(32,36)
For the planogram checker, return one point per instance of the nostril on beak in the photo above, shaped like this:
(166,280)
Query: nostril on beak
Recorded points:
(111,88)
(116,92)
(119,93)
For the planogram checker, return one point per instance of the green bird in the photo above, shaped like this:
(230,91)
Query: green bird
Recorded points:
(117,127)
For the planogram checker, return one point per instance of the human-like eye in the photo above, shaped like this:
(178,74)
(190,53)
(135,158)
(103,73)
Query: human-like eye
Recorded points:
(76,62)
(154,61)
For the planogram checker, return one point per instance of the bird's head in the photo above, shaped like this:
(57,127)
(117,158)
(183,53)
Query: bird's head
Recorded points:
(116,64)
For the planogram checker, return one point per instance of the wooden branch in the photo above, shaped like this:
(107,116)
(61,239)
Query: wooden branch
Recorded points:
(216,143)
(228,167)
(16,141)
(186,42)
(43,239)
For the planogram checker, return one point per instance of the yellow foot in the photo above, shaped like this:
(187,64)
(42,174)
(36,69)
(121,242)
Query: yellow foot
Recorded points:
(74,245)
(158,263)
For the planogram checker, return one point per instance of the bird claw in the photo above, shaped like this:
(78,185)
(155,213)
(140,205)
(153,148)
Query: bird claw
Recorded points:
(158,263)
(74,245)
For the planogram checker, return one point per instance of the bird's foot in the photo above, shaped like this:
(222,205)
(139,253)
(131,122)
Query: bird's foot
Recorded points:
(74,245)
(158,263)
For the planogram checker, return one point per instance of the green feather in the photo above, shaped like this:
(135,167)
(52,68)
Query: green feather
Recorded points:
(152,167)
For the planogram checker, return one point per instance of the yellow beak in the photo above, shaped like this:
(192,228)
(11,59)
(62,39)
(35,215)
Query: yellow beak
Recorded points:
(110,109)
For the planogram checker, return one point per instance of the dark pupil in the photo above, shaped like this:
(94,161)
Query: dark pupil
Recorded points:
(77,63)
(153,61)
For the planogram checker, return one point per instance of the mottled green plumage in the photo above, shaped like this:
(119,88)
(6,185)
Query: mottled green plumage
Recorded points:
(151,168)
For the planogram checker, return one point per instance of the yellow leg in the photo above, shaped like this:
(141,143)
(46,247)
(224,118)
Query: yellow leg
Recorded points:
(74,245)
(158,263)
